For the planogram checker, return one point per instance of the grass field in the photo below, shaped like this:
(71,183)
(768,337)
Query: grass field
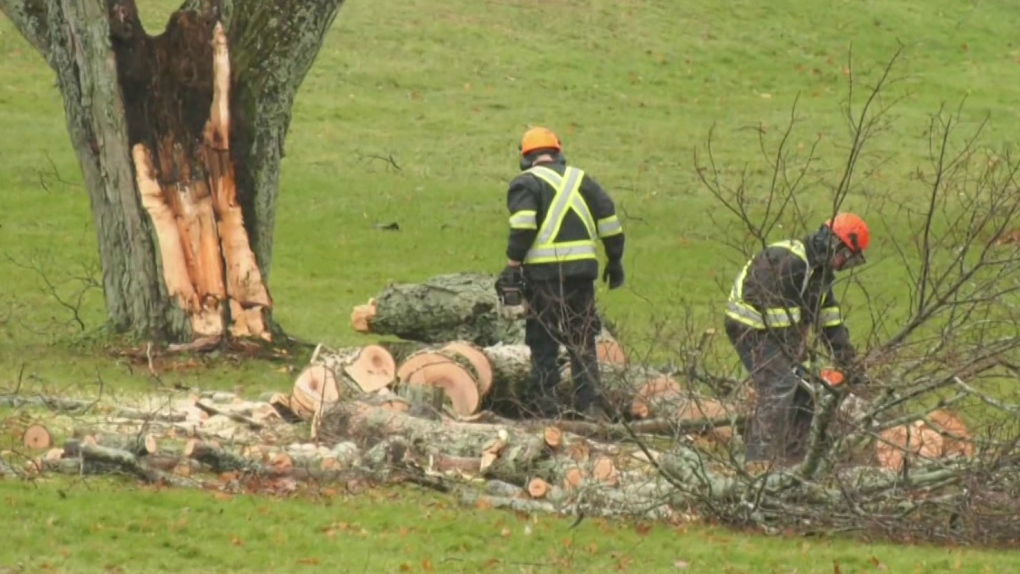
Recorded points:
(445,89)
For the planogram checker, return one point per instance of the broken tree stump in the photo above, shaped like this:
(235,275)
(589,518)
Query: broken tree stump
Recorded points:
(185,176)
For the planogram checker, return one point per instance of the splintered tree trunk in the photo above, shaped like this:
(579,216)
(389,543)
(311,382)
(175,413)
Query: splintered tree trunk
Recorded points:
(179,137)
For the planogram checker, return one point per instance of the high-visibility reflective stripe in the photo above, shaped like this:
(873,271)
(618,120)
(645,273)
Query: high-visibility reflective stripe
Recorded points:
(545,249)
(551,177)
(524,219)
(564,191)
(551,254)
(830,317)
(579,207)
(775,318)
(609,226)
(779,317)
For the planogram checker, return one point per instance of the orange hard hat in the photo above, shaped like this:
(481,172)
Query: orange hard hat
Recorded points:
(539,138)
(851,230)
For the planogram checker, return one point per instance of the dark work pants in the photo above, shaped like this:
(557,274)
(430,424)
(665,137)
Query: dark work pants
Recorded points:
(563,312)
(781,424)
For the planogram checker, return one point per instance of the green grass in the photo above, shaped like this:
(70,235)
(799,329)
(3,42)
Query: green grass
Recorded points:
(445,89)
(69,527)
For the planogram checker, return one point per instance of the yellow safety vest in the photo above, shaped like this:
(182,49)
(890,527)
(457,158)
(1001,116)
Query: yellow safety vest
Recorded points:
(776,317)
(545,248)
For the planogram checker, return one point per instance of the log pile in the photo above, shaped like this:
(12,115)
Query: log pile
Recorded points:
(222,441)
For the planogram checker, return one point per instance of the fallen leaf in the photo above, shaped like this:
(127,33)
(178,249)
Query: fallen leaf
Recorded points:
(236,541)
(505,533)
(642,529)
(426,565)
(681,564)
(309,561)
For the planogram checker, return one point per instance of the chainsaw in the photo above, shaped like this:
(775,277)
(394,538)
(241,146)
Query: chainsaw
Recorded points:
(512,304)
(818,381)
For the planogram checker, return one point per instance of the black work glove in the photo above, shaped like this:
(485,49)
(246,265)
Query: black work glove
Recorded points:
(512,276)
(613,274)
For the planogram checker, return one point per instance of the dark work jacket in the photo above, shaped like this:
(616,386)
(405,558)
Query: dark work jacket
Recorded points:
(775,279)
(529,192)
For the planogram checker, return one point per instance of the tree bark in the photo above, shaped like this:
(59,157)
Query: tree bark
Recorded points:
(133,98)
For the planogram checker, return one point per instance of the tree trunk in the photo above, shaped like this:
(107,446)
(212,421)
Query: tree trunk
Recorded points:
(179,137)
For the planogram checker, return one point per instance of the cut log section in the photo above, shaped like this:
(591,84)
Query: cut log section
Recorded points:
(315,388)
(37,437)
(362,315)
(372,367)
(904,443)
(943,436)
(447,371)
(476,357)
(609,350)
(655,396)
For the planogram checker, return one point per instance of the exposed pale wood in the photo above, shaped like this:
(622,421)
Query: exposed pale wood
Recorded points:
(362,315)
(609,350)
(454,375)
(37,437)
(211,410)
(573,477)
(366,369)
(957,439)
(315,388)
(652,395)
(476,356)
(604,470)
(900,444)
(248,296)
(553,437)
(538,488)
(174,261)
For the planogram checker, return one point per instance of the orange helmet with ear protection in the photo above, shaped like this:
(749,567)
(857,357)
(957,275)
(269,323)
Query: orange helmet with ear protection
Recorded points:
(851,231)
(539,138)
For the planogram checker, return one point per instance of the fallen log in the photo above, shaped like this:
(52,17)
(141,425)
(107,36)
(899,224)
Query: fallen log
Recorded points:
(452,307)
(504,452)
(139,444)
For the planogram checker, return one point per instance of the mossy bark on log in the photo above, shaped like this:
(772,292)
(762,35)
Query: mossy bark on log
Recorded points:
(511,378)
(518,454)
(444,308)
(123,88)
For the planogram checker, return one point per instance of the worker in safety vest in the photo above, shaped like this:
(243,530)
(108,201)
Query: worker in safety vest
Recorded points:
(782,292)
(557,212)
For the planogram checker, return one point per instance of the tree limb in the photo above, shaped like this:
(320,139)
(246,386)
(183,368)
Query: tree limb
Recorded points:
(30,19)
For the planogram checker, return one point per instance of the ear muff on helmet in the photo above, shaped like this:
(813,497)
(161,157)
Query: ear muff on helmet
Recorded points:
(528,161)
